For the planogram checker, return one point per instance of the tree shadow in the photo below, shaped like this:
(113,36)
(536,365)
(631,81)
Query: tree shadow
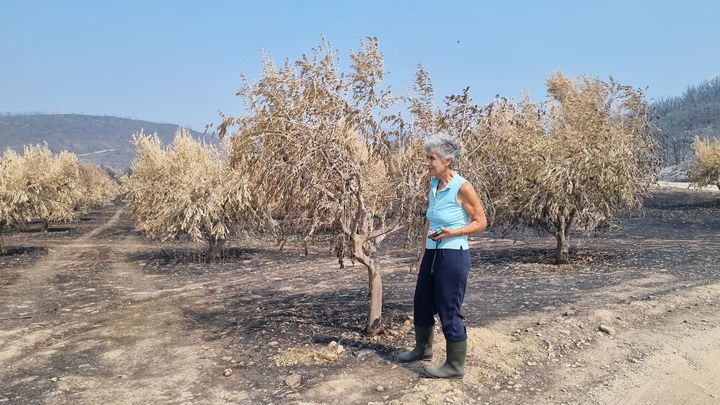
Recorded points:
(544,256)
(25,250)
(172,256)
(692,199)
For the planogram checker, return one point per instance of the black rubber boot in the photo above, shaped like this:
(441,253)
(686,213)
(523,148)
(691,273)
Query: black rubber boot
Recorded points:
(454,366)
(423,346)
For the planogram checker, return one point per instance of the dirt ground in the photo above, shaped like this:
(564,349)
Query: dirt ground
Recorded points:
(91,312)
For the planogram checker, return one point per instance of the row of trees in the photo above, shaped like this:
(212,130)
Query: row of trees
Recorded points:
(51,187)
(323,150)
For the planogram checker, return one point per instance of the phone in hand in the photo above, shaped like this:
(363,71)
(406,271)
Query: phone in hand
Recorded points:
(434,233)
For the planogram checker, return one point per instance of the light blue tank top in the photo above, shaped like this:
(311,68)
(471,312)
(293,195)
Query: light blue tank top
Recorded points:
(444,210)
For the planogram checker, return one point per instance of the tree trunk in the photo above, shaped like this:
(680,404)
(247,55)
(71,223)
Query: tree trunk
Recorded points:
(216,248)
(46,225)
(3,250)
(562,255)
(374,323)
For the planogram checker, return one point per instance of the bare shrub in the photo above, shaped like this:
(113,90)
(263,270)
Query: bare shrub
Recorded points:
(705,169)
(187,188)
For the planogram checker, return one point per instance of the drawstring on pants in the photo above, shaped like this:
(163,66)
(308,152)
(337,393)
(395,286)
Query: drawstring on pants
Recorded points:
(432,265)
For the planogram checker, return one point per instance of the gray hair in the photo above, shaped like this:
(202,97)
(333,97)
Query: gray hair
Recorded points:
(444,146)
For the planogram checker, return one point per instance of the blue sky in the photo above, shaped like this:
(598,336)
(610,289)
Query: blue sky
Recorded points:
(181,61)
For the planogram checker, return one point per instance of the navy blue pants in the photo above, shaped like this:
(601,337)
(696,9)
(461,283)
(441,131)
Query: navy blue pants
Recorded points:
(442,291)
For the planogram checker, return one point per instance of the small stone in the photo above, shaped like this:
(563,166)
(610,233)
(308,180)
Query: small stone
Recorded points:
(529,329)
(293,380)
(379,388)
(227,358)
(496,387)
(274,343)
(227,372)
(186,395)
(569,312)
(541,322)
(340,349)
(360,354)
(606,329)
(54,379)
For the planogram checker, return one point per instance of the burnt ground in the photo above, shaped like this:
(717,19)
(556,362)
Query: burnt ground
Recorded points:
(92,312)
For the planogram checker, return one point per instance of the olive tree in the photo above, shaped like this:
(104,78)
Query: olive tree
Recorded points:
(705,169)
(186,188)
(577,160)
(15,208)
(37,184)
(96,185)
(328,154)
(52,185)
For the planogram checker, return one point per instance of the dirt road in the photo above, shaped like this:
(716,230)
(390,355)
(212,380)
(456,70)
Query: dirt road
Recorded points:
(94,313)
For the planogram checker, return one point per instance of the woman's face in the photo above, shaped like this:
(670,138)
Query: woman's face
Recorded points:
(435,165)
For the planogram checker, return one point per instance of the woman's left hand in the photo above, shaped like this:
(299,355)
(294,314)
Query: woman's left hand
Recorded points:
(444,233)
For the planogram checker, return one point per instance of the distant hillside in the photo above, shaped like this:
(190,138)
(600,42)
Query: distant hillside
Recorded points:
(680,119)
(100,139)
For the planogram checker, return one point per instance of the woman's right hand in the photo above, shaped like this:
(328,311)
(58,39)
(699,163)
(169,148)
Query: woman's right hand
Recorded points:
(417,266)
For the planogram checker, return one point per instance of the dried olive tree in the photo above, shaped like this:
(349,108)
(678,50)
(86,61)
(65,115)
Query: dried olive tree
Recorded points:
(51,184)
(328,154)
(15,207)
(705,169)
(575,161)
(187,188)
(96,185)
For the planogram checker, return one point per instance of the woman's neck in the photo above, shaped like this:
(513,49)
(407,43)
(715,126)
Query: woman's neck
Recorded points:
(445,178)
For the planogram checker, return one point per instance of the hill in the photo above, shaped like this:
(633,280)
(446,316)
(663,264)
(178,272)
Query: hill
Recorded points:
(679,119)
(103,140)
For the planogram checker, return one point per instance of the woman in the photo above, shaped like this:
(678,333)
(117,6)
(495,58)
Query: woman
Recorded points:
(454,212)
